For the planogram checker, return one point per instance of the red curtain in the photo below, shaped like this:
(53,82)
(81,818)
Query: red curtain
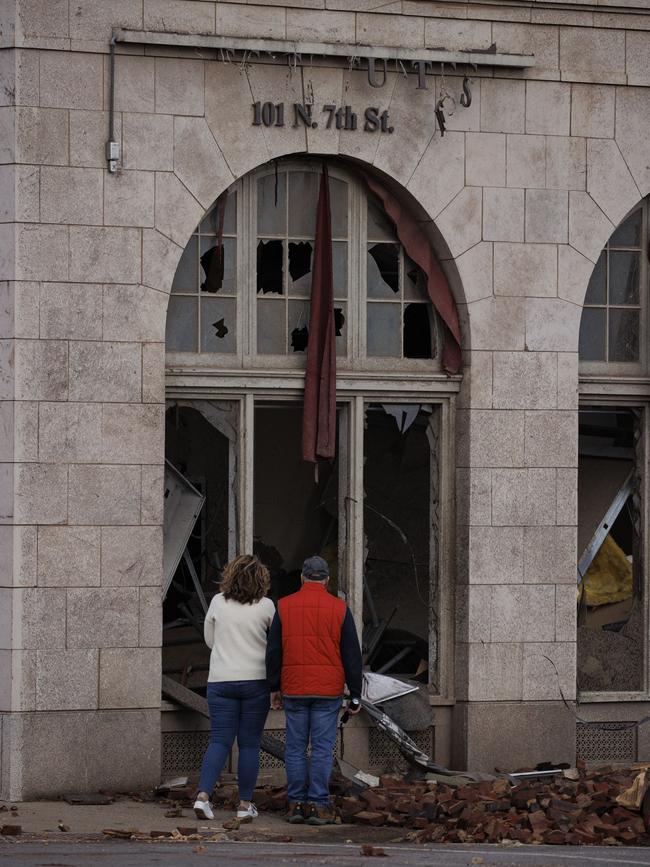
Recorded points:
(418,248)
(319,410)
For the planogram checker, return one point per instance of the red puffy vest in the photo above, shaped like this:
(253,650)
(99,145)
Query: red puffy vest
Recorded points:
(311,642)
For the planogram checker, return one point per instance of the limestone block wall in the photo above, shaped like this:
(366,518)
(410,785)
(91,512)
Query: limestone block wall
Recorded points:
(524,189)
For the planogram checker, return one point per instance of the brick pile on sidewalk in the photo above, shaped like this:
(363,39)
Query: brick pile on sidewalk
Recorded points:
(558,810)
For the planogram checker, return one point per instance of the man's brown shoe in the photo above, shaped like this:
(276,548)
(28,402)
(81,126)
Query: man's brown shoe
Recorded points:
(320,815)
(296,814)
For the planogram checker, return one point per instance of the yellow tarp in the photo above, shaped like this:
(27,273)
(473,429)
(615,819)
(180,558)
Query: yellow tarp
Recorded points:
(632,798)
(609,578)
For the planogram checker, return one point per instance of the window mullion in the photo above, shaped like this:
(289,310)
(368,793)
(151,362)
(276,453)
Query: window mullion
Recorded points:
(359,246)
(354,499)
(246,502)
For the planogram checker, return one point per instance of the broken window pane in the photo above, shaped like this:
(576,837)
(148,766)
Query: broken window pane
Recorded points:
(623,335)
(209,222)
(384,330)
(270,266)
(341,328)
(592,334)
(298,327)
(340,268)
(271,327)
(182,324)
(218,325)
(596,290)
(398,528)
(628,233)
(339,207)
(415,281)
(383,270)
(380,228)
(228,282)
(624,268)
(305,521)
(417,331)
(611,645)
(272,204)
(300,262)
(303,198)
(187,272)
(200,442)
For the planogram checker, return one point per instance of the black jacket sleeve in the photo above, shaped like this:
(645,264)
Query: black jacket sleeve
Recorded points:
(274,654)
(351,656)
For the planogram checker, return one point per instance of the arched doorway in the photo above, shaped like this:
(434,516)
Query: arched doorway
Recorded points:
(236,343)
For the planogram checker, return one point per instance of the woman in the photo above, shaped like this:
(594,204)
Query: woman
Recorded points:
(235,629)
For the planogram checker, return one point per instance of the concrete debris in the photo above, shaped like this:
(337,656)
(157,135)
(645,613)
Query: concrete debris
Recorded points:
(10,830)
(554,810)
(371,851)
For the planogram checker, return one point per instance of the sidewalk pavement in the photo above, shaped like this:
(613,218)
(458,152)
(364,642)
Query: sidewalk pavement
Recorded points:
(44,819)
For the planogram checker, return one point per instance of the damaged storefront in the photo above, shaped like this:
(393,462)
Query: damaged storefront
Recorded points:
(368,283)
(373,506)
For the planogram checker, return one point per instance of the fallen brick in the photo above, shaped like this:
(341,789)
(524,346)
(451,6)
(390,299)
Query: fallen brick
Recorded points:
(367,817)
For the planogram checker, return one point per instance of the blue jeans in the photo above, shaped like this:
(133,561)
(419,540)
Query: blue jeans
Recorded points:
(238,709)
(310,719)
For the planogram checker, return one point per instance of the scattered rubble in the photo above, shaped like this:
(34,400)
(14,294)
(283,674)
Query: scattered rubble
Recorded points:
(578,806)
(10,830)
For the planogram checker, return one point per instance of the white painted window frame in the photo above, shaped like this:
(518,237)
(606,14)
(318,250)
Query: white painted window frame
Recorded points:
(604,370)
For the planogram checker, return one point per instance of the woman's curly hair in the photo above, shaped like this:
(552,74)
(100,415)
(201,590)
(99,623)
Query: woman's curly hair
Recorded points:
(245,579)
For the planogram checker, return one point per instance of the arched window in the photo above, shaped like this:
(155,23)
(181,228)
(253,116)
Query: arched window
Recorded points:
(613,560)
(237,340)
(613,329)
(258,309)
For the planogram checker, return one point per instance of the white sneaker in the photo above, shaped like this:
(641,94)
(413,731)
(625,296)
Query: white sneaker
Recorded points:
(247,815)
(203,810)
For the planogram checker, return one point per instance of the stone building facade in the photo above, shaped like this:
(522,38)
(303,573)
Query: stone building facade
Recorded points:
(518,198)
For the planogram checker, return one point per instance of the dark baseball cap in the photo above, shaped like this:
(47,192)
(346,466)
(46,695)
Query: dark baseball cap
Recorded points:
(315,568)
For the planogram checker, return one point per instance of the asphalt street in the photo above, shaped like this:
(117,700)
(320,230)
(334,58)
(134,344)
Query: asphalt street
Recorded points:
(135,854)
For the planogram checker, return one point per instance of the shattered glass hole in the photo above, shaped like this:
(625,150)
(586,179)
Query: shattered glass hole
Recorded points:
(299,339)
(220,329)
(300,260)
(218,316)
(339,321)
(219,266)
(417,331)
(383,270)
(298,325)
(270,270)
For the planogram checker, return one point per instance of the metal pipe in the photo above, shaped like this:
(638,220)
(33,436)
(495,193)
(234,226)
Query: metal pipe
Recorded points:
(112,147)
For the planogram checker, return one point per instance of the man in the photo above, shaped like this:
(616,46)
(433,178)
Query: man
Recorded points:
(312,652)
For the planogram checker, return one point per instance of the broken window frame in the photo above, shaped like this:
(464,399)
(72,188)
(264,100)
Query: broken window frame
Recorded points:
(197,295)
(598,369)
(609,394)
(352,400)
(351,354)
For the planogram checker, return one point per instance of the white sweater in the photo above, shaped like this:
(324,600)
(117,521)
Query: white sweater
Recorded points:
(236,634)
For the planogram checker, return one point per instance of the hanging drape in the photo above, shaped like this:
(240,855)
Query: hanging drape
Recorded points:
(212,261)
(418,248)
(319,410)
